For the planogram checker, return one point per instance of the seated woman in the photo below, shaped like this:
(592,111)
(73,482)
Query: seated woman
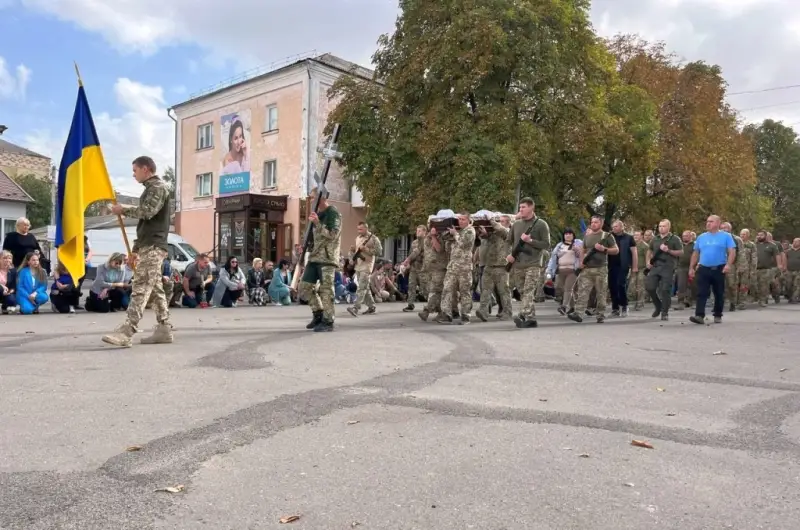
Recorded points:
(64,295)
(230,285)
(279,286)
(110,291)
(256,283)
(8,283)
(31,285)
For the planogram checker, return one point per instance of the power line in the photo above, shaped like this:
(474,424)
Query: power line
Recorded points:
(788,103)
(760,91)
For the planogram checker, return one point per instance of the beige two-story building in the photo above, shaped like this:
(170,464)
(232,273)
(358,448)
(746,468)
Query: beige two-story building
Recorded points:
(246,154)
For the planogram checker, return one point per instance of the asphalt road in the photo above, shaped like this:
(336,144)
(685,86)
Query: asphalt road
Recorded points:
(390,423)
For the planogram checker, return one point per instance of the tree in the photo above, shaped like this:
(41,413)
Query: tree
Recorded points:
(169,178)
(467,97)
(704,164)
(777,154)
(41,191)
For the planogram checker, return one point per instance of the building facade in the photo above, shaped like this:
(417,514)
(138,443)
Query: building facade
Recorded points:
(16,161)
(246,155)
(13,203)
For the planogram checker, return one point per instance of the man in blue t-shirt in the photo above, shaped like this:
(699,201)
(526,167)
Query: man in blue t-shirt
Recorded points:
(713,257)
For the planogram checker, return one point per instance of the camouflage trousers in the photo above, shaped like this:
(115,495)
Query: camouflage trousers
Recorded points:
(527,282)
(169,294)
(495,279)
(364,291)
(148,282)
(457,285)
(317,286)
(636,288)
(540,286)
(763,285)
(687,290)
(793,285)
(741,275)
(417,283)
(591,279)
(435,288)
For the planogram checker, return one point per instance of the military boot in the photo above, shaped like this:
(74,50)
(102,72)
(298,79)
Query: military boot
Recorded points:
(423,315)
(122,336)
(324,325)
(316,318)
(483,316)
(161,335)
(408,308)
(444,319)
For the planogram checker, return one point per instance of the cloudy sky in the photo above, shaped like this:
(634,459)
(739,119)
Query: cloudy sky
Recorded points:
(138,57)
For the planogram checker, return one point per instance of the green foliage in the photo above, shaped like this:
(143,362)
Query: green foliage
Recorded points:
(777,154)
(41,191)
(169,178)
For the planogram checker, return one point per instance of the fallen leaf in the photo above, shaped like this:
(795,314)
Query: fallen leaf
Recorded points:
(29,332)
(354,524)
(352,422)
(670,413)
(173,489)
(628,484)
(720,353)
(583,455)
(642,443)
(661,389)
(134,448)
(783,369)
(543,400)
(289,519)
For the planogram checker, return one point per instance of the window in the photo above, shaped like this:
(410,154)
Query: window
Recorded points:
(7,226)
(270,174)
(203,185)
(189,249)
(204,136)
(272,119)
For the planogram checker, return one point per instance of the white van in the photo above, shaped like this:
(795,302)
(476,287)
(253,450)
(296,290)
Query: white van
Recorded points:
(105,242)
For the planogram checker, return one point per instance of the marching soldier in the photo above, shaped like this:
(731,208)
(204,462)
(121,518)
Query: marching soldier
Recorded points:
(323,259)
(664,251)
(495,277)
(416,261)
(458,277)
(435,265)
(367,248)
(636,282)
(748,272)
(533,234)
(732,287)
(686,289)
(793,271)
(766,263)
(597,246)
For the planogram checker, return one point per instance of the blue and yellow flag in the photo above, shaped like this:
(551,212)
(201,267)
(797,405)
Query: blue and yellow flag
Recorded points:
(82,180)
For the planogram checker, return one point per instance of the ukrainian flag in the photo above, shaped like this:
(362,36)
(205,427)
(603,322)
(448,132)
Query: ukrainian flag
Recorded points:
(82,180)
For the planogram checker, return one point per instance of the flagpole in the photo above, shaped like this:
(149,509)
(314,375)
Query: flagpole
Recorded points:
(131,264)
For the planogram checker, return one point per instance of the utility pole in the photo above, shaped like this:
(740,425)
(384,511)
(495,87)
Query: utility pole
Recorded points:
(53,176)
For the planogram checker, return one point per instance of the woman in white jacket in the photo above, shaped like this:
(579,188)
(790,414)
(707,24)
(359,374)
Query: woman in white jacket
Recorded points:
(562,266)
(230,286)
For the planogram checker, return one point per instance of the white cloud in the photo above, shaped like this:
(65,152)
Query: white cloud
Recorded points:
(248,32)
(13,85)
(143,128)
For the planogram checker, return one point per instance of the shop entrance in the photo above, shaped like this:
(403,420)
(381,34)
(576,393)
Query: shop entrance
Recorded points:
(252,226)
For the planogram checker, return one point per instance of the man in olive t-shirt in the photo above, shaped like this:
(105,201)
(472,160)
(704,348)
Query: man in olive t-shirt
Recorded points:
(593,267)
(664,251)
(636,281)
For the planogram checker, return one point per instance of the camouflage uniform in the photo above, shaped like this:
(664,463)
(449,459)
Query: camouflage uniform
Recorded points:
(686,291)
(777,274)
(766,254)
(495,276)
(416,276)
(434,268)
(636,281)
(364,266)
(593,276)
(542,277)
(458,278)
(151,246)
(793,274)
(317,284)
(732,288)
(527,269)
(745,260)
